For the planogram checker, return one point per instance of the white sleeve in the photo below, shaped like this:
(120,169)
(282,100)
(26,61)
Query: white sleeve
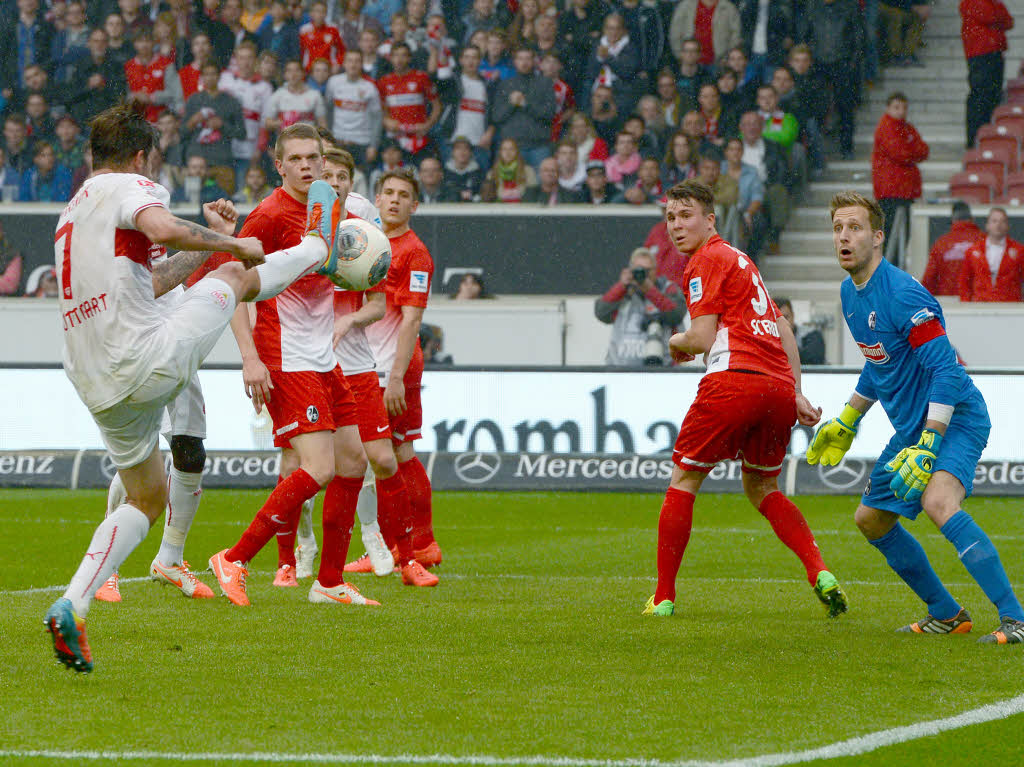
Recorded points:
(137,193)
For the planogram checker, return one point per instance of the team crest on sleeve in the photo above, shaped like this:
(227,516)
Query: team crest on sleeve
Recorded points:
(923,316)
(419,282)
(696,289)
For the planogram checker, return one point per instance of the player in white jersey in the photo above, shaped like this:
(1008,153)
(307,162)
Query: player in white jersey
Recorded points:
(253,93)
(354,110)
(353,313)
(128,358)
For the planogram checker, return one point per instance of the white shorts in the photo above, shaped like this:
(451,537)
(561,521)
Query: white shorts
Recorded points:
(186,416)
(131,428)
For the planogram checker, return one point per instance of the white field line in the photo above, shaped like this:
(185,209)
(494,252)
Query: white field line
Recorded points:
(529,577)
(850,747)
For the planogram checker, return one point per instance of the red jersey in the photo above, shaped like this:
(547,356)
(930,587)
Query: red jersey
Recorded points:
(405,97)
(976,283)
(321,43)
(564,102)
(720,279)
(148,78)
(408,284)
(942,275)
(189,77)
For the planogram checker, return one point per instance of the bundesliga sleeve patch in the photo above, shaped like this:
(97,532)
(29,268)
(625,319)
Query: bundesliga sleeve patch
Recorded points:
(696,290)
(922,317)
(419,282)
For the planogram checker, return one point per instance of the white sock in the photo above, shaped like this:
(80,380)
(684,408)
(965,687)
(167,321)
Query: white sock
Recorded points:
(183,494)
(114,539)
(304,535)
(283,267)
(366,508)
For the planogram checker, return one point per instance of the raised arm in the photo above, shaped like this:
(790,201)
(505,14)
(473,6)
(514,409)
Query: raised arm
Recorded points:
(164,228)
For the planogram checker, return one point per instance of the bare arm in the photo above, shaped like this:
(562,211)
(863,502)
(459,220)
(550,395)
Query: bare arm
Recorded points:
(164,228)
(255,375)
(168,274)
(367,314)
(806,413)
(408,332)
(698,339)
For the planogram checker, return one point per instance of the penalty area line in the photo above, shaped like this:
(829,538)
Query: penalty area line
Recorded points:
(851,747)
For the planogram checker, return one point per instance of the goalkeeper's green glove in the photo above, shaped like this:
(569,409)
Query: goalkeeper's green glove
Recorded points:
(833,438)
(913,466)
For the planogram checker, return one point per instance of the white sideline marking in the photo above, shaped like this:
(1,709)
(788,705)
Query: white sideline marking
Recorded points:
(851,747)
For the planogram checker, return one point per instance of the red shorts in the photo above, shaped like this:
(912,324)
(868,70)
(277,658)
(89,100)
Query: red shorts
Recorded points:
(306,401)
(737,415)
(409,425)
(370,411)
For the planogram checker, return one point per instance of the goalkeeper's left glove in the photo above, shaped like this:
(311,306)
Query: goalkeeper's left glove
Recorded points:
(913,466)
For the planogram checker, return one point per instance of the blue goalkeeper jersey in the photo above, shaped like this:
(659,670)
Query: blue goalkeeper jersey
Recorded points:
(899,328)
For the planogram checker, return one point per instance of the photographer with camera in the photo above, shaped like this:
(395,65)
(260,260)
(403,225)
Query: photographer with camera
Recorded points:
(643,310)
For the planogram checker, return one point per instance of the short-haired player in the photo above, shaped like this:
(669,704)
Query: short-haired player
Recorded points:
(288,365)
(940,419)
(128,358)
(747,401)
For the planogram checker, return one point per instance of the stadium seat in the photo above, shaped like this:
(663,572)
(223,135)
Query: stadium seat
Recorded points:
(973,187)
(1014,126)
(1002,143)
(1005,111)
(992,162)
(1015,91)
(1014,189)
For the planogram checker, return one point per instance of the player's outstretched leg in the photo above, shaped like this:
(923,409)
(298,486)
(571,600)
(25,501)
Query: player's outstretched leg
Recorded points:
(978,554)
(68,630)
(674,527)
(110,591)
(907,559)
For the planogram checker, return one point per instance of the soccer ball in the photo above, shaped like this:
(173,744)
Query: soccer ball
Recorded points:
(364,255)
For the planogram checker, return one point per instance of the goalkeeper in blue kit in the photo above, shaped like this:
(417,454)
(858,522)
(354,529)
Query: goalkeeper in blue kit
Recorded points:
(941,424)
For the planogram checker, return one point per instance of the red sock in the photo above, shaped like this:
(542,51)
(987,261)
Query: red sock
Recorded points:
(418,487)
(286,540)
(791,528)
(394,514)
(339,516)
(673,534)
(284,504)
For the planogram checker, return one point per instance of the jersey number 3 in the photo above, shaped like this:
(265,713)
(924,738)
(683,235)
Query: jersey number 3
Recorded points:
(65,266)
(760,303)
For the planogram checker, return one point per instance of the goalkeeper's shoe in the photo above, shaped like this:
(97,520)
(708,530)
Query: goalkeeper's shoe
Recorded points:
(68,631)
(109,591)
(379,553)
(305,555)
(230,577)
(181,577)
(959,624)
(664,608)
(1010,631)
(343,593)
(285,576)
(827,589)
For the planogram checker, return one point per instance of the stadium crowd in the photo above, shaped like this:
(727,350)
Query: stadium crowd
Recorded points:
(585,102)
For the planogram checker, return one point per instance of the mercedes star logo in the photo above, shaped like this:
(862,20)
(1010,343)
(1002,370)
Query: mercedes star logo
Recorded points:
(477,468)
(847,474)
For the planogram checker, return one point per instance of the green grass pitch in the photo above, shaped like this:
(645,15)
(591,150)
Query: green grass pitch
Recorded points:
(532,646)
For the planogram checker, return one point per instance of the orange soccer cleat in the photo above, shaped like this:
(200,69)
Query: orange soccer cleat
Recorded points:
(415,574)
(231,578)
(109,591)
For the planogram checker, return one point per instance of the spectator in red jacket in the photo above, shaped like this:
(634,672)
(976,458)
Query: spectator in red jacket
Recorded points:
(942,275)
(993,267)
(897,151)
(983,31)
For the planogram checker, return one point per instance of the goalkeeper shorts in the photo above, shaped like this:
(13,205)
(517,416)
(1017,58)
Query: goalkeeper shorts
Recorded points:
(961,449)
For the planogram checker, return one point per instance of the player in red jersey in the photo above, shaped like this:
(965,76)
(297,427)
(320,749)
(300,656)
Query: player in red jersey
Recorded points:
(319,40)
(404,96)
(353,313)
(288,364)
(394,341)
(747,401)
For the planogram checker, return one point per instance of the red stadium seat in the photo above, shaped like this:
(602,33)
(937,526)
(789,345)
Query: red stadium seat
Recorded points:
(973,187)
(1014,126)
(991,162)
(1007,110)
(1015,91)
(1002,143)
(1014,187)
